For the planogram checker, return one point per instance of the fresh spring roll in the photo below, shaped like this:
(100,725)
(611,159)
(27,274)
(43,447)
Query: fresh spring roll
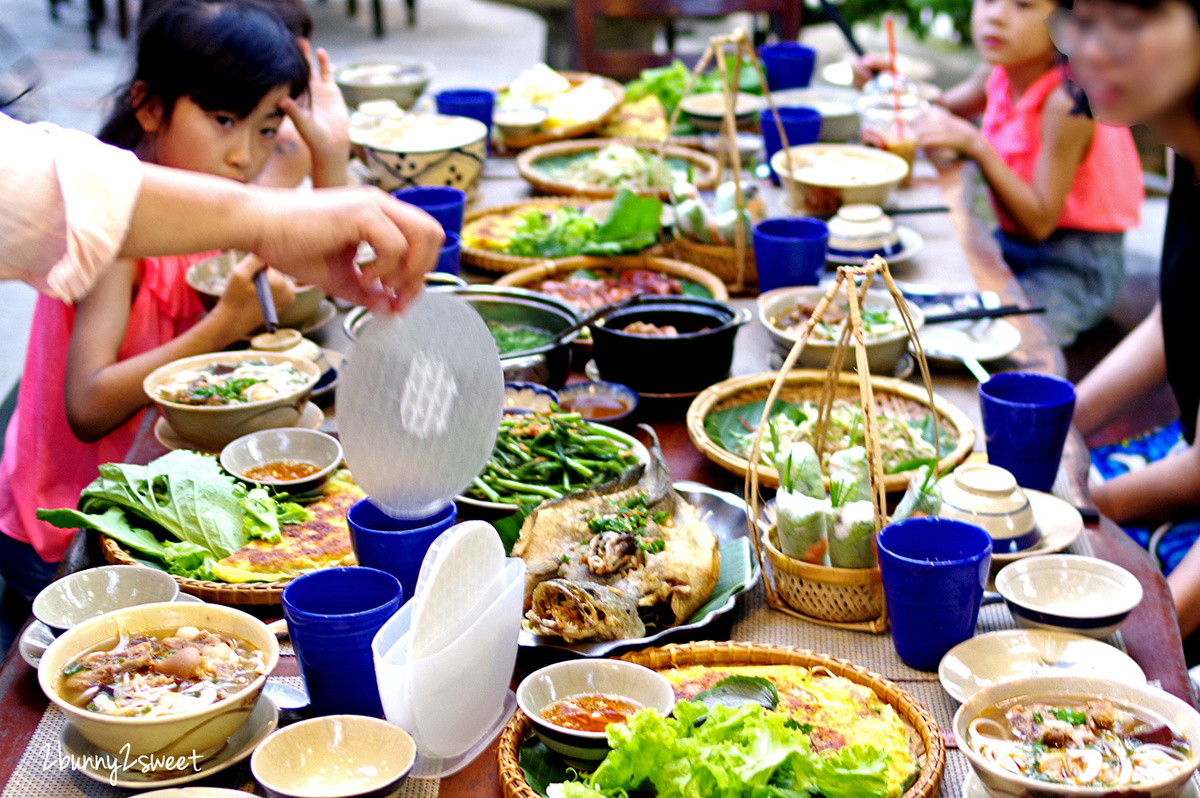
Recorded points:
(849,468)
(852,536)
(799,468)
(801,522)
(923,496)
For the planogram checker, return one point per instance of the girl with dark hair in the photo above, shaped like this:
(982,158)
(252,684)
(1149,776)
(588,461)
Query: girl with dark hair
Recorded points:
(213,81)
(1138,62)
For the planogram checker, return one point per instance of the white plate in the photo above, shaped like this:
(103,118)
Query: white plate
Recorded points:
(982,339)
(998,657)
(38,637)
(1059,522)
(972,787)
(726,515)
(639,451)
(910,244)
(263,720)
(194,792)
(311,417)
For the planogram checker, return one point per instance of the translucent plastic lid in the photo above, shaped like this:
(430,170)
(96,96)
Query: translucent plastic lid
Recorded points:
(420,403)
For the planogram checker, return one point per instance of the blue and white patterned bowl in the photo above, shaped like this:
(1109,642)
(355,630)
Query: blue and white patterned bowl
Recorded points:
(427,150)
(1068,593)
(595,400)
(611,677)
(520,396)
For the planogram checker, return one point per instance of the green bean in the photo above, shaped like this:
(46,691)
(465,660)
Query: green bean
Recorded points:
(539,490)
(483,487)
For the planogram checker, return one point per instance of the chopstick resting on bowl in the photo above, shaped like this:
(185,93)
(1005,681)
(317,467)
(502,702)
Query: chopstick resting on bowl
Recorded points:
(982,313)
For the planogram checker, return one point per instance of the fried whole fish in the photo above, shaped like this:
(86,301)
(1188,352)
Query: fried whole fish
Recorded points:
(635,537)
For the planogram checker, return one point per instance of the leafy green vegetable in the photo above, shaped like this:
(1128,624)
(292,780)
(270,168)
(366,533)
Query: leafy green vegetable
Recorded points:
(631,226)
(669,83)
(738,691)
(1072,716)
(727,427)
(745,751)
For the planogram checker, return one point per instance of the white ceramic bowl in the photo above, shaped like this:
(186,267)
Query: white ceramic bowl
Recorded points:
(200,732)
(1004,784)
(521,121)
(644,687)
(599,401)
(426,150)
(337,756)
(207,279)
(401,80)
(213,426)
(290,443)
(76,597)
(989,496)
(883,352)
(838,108)
(1069,593)
(861,231)
(522,396)
(707,111)
(828,176)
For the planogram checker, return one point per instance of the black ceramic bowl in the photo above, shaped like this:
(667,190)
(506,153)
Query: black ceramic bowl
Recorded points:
(690,362)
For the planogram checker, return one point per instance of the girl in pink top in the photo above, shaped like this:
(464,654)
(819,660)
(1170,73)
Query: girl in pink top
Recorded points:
(1065,188)
(212,84)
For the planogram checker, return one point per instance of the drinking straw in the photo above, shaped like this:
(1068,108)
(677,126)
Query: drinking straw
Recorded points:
(891,34)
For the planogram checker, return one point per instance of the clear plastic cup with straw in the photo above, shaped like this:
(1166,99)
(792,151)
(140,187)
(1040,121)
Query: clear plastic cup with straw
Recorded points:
(890,111)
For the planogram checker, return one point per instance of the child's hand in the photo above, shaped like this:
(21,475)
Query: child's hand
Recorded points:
(867,66)
(941,130)
(238,308)
(323,122)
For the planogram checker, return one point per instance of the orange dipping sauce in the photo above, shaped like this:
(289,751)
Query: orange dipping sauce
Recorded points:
(595,406)
(591,712)
(281,471)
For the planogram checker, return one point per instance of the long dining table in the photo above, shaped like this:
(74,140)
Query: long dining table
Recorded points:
(958,256)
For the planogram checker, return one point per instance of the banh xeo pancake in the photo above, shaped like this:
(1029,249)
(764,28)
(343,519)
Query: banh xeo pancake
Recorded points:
(493,232)
(840,712)
(323,541)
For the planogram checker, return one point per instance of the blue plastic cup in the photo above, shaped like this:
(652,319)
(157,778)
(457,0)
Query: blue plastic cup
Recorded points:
(450,255)
(443,203)
(933,570)
(1026,417)
(789,65)
(332,616)
(396,545)
(802,126)
(789,252)
(473,103)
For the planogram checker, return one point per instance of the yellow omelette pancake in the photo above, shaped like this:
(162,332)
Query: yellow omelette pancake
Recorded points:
(644,119)
(493,232)
(322,541)
(839,711)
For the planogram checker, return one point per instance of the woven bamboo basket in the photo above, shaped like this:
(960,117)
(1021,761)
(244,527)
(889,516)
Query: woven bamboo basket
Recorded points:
(498,261)
(573,131)
(243,594)
(721,260)
(706,170)
(530,276)
(807,384)
(851,597)
(924,735)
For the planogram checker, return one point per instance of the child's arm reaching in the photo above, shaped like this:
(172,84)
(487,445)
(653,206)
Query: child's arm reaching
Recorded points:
(323,122)
(1034,207)
(101,391)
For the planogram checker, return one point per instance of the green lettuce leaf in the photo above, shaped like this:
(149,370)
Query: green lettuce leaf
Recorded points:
(111,522)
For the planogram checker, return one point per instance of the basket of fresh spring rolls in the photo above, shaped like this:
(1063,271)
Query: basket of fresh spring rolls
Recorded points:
(821,546)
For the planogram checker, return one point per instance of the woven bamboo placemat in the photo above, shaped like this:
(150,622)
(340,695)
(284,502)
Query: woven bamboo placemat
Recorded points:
(45,772)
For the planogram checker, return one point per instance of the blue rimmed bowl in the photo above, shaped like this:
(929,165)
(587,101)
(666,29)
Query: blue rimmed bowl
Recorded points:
(1068,593)
(635,683)
(606,402)
(520,396)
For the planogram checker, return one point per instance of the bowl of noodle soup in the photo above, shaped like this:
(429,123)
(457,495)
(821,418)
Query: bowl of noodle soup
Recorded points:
(169,682)
(1077,736)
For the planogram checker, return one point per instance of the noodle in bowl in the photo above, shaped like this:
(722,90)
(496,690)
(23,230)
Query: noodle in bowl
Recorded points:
(1082,745)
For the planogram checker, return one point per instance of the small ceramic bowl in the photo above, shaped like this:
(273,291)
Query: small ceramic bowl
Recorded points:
(209,277)
(610,677)
(988,495)
(829,176)
(515,122)
(421,149)
(707,111)
(293,444)
(528,396)
(401,80)
(337,756)
(862,230)
(76,597)
(609,402)
(1069,593)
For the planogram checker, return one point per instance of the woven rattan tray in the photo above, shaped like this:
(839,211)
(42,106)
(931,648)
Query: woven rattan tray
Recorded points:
(498,261)
(926,736)
(706,170)
(721,260)
(576,130)
(246,594)
(806,384)
(529,276)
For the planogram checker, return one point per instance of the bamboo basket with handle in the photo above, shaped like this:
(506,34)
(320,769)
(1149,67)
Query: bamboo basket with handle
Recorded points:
(845,598)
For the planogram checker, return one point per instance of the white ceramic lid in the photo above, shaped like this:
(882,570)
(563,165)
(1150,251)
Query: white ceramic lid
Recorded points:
(985,488)
(420,403)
